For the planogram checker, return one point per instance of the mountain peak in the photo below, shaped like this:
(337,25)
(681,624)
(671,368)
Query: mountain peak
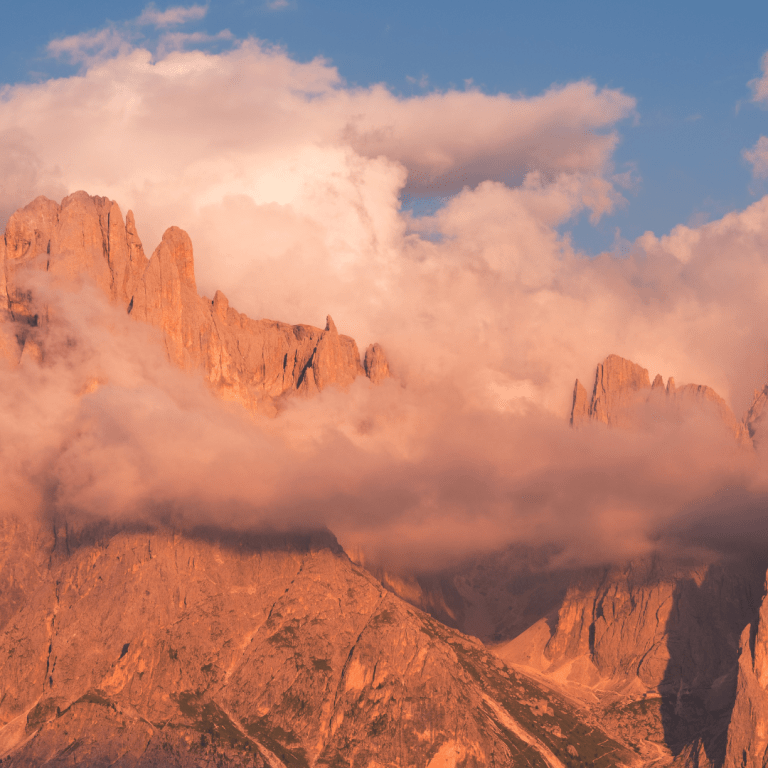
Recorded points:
(623,387)
(254,362)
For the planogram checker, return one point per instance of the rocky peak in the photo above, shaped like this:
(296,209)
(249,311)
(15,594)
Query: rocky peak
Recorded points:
(179,247)
(375,363)
(220,306)
(747,745)
(145,648)
(616,382)
(755,416)
(255,362)
(622,388)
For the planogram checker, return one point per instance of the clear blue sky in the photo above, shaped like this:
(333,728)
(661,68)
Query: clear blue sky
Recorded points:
(688,65)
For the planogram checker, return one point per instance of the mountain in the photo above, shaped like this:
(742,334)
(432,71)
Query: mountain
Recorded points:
(139,644)
(151,647)
(622,389)
(670,652)
(253,362)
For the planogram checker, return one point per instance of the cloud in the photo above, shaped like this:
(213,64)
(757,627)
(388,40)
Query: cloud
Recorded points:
(757,157)
(178,14)
(106,427)
(759,85)
(290,183)
(88,46)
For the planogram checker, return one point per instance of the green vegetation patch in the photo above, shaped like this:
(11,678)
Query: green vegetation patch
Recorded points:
(209,718)
(517,695)
(283,744)
(95,696)
(287,637)
(387,617)
(41,713)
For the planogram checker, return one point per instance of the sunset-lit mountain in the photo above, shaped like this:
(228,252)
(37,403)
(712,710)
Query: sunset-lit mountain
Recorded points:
(366,405)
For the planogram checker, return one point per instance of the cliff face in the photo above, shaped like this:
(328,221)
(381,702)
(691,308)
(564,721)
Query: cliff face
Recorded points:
(747,745)
(652,645)
(622,389)
(153,648)
(254,362)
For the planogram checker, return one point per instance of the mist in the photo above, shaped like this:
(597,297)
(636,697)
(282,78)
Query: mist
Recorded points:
(290,183)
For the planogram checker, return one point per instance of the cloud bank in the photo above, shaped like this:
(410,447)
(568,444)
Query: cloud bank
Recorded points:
(289,182)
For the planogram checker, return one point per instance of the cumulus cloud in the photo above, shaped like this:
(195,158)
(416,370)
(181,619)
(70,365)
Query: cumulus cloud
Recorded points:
(106,427)
(289,182)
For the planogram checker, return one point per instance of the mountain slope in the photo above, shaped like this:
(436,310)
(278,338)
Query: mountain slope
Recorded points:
(149,647)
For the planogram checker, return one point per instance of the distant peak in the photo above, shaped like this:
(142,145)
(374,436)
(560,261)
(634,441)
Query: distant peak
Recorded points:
(330,325)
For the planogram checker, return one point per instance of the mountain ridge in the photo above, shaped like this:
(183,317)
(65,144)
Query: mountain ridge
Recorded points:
(253,362)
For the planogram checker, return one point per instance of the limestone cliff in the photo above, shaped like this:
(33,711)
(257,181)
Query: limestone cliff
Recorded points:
(622,390)
(747,745)
(659,639)
(145,647)
(254,362)
(755,419)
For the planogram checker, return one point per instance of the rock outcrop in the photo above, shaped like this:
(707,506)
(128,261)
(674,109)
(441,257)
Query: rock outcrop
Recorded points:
(755,417)
(155,648)
(651,647)
(660,640)
(623,389)
(254,362)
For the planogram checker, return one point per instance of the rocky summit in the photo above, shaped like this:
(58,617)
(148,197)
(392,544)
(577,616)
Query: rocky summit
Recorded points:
(623,390)
(253,362)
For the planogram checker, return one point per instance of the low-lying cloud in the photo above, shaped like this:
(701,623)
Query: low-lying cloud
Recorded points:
(289,182)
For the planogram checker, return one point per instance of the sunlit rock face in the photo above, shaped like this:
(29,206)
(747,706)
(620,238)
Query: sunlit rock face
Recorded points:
(651,645)
(147,647)
(254,362)
(623,396)
(747,745)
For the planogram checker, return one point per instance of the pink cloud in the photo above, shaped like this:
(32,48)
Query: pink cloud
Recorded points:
(759,85)
(178,14)
(757,157)
(289,182)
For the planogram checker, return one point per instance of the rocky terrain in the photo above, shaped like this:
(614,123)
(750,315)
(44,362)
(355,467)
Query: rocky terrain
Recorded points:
(152,645)
(623,393)
(253,362)
(149,647)
(666,652)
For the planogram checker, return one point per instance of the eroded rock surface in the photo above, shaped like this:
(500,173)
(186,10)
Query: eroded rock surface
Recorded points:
(153,648)
(254,362)
(748,728)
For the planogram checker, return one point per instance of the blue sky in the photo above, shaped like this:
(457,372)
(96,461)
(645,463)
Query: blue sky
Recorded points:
(687,64)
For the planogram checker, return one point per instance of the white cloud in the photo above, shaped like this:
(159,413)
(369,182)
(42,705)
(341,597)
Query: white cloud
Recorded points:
(289,183)
(759,85)
(178,14)
(757,156)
